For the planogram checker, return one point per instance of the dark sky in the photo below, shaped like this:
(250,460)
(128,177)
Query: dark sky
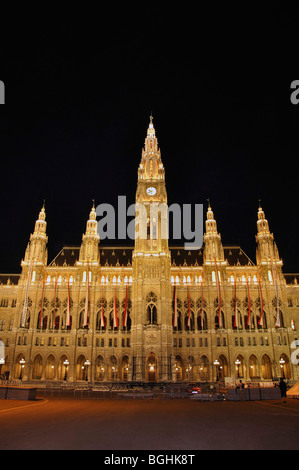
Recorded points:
(79,92)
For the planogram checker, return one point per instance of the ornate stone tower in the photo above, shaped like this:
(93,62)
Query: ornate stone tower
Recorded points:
(36,250)
(151,334)
(34,264)
(267,251)
(213,255)
(89,250)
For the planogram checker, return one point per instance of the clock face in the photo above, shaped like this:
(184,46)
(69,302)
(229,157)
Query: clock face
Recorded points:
(151,191)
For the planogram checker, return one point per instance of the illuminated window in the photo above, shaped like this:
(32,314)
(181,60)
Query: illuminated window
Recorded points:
(177,280)
(48,280)
(243,279)
(172,280)
(33,276)
(126,280)
(213,277)
(114,280)
(84,277)
(130,280)
(59,280)
(103,280)
(71,280)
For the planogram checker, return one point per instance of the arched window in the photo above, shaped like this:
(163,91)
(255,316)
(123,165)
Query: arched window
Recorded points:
(261,321)
(191,325)
(219,320)
(179,314)
(151,309)
(202,322)
(219,316)
(82,314)
(278,318)
(100,368)
(126,326)
(237,320)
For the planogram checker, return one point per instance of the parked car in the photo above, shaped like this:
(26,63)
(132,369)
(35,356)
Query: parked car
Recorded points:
(193,388)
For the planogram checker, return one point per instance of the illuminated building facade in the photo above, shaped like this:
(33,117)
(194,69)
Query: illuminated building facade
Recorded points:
(150,312)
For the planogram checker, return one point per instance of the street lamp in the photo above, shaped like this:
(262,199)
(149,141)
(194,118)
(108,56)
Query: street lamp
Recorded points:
(22,363)
(86,363)
(65,363)
(217,364)
(238,363)
(282,363)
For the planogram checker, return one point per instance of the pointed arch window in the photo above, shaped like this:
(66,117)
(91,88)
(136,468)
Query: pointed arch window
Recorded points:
(151,309)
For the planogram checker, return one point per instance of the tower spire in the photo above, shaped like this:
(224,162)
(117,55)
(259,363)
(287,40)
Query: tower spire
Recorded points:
(36,249)
(213,249)
(90,241)
(267,250)
(151,166)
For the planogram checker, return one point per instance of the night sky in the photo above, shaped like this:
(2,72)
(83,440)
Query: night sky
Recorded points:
(79,92)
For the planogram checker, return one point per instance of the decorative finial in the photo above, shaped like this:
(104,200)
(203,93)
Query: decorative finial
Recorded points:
(151,118)
(209,202)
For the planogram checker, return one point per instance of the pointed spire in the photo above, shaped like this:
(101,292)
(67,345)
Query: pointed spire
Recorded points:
(267,251)
(151,130)
(36,248)
(90,241)
(40,224)
(92,214)
(211,224)
(262,223)
(91,225)
(151,166)
(213,249)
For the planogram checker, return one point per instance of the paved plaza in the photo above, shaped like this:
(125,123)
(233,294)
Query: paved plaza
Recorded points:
(63,423)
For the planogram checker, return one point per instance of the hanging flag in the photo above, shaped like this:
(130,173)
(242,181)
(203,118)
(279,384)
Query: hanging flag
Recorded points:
(25,308)
(102,314)
(175,310)
(236,322)
(201,309)
(278,320)
(42,306)
(260,322)
(125,311)
(86,311)
(249,304)
(219,297)
(54,308)
(115,319)
(68,310)
(189,308)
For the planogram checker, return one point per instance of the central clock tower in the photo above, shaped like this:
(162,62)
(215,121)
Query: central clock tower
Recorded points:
(151,334)
(151,234)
